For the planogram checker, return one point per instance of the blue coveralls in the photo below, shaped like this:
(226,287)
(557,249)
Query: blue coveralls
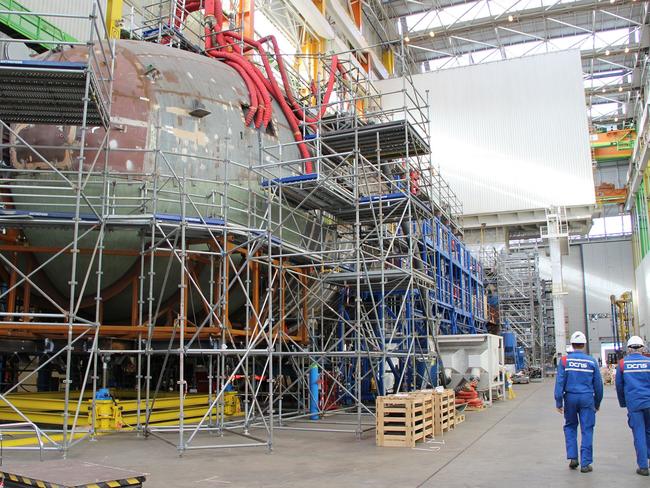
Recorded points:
(633,391)
(579,388)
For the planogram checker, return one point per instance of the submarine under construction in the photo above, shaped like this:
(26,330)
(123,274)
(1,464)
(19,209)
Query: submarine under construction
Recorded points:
(203,234)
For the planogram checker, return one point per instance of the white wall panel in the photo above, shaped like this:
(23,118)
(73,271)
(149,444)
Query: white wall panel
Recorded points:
(509,135)
(609,270)
(592,272)
(77,28)
(642,297)
(574,301)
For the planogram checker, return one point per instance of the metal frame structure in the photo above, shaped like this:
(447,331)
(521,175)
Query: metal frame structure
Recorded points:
(519,289)
(548,323)
(284,281)
(77,94)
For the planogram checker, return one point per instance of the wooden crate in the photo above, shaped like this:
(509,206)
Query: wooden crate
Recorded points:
(444,411)
(403,419)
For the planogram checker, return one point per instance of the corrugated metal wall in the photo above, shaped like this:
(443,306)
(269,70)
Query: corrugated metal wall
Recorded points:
(510,135)
(642,296)
(75,27)
(608,270)
(574,306)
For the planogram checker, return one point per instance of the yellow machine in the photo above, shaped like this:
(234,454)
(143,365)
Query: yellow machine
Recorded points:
(622,315)
(111,415)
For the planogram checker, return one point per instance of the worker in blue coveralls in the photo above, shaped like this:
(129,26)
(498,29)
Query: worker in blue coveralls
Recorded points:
(633,391)
(578,393)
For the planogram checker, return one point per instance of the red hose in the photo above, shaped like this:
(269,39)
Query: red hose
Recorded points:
(254,76)
(336,66)
(277,93)
(189,8)
(252,93)
(261,88)
(214,10)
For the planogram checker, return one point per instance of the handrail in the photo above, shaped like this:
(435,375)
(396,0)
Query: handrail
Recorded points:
(13,425)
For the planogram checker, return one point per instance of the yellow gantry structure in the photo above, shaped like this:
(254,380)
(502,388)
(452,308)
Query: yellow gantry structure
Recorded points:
(114,18)
(46,409)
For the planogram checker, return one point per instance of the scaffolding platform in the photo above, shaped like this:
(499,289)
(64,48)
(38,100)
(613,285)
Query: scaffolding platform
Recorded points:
(388,140)
(50,92)
(392,207)
(21,218)
(68,474)
(314,191)
(391,279)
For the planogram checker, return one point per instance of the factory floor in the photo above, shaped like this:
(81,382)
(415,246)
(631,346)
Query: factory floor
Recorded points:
(513,444)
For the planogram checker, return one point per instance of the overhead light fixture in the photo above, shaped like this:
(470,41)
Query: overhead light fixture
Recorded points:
(606,52)
(432,34)
(603,90)
(510,18)
(612,1)
(620,88)
(407,39)
(627,50)
(615,119)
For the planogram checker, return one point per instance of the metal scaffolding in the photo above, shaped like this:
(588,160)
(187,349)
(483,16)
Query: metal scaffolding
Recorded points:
(520,301)
(69,93)
(548,323)
(308,292)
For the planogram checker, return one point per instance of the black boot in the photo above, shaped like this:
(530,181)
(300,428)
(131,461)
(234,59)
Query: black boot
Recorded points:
(573,464)
(586,469)
(642,471)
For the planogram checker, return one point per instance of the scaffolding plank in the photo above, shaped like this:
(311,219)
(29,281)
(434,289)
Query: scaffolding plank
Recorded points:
(314,191)
(388,140)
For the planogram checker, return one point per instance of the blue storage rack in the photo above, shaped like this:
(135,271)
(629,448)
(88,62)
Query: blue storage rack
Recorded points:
(459,298)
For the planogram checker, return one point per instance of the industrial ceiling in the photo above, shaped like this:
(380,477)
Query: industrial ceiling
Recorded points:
(612,36)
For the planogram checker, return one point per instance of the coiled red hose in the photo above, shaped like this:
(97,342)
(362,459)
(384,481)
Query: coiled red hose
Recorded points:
(469,396)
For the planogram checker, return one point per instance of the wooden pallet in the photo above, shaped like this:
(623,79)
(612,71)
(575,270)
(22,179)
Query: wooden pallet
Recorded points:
(444,411)
(460,418)
(403,419)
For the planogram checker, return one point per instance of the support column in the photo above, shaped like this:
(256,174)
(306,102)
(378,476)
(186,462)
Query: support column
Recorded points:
(558,296)
(557,233)
(114,18)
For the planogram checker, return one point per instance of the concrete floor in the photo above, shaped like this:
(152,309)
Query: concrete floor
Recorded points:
(513,444)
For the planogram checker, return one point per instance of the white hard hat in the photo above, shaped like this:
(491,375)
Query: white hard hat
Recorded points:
(635,341)
(578,338)
(569,348)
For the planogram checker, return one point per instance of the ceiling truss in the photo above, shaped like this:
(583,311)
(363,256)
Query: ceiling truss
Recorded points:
(613,38)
